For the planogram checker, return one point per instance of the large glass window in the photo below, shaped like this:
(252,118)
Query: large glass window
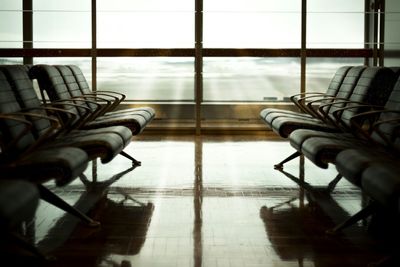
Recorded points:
(252,24)
(148,78)
(62,24)
(10,24)
(335,24)
(145,24)
(250,79)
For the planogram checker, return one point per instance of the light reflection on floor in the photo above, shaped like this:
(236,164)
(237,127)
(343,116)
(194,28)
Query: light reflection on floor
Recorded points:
(205,202)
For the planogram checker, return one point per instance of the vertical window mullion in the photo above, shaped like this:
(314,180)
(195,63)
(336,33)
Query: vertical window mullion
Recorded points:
(27,22)
(303,52)
(198,63)
(94,45)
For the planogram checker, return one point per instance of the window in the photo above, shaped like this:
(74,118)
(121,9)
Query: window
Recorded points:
(70,25)
(10,24)
(250,79)
(148,78)
(342,20)
(145,24)
(252,24)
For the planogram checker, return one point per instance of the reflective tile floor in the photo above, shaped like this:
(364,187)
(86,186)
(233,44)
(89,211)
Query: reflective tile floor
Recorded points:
(207,201)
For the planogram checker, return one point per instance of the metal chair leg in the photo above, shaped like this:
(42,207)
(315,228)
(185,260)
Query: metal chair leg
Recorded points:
(365,212)
(134,161)
(334,182)
(52,198)
(279,166)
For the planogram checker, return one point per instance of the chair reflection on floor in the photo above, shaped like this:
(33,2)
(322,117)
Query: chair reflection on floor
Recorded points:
(297,233)
(124,219)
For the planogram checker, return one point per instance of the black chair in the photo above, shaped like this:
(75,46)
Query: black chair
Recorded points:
(104,143)
(375,170)
(286,124)
(372,88)
(60,83)
(147,113)
(301,100)
(321,148)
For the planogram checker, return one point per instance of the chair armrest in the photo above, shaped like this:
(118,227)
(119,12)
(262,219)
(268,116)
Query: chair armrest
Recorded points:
(116,100)
(73,120)
(122,96)
(298,99)
(363,123)
(52,132)
(338,113)
(100,108)
(396,128)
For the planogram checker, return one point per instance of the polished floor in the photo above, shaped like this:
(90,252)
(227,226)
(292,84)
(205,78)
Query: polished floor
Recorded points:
(207,201)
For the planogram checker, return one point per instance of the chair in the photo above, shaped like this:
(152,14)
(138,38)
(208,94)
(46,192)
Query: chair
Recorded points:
(321,148)
(372,88)
(61,83)
(270,114)
(104,143)
(147,112)
(284,124)
(375,170)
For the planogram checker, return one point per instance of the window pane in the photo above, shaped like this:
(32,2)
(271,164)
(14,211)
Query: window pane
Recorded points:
(161,78)
(70,25)
(10,24)
(145,24)
(252,24)
(250,79)
(11,60)
(340,27)
(320,71)
(392,38)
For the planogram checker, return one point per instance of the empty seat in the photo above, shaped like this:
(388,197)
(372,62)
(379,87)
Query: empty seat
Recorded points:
(270,114)
(286,123)
(321,148)
(104,143)
(60,83)
(372,88)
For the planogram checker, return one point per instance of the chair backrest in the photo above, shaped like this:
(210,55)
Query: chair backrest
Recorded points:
(72,84)
(25,94)
(390,131)
(373,88)
(50,80)
(80,78)
(346,87)
(11,129)
(337,80)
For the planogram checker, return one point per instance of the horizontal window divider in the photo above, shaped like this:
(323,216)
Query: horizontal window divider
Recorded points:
(184,52)
(326,52)
(250,52)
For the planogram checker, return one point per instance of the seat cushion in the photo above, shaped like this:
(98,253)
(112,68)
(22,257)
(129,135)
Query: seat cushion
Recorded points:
(62,164)
(381,181)
(323,150)
(284,126)
(105,145)
(297,137)
(352,162)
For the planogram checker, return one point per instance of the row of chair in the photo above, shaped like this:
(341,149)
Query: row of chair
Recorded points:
(354,126)
(55,140)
